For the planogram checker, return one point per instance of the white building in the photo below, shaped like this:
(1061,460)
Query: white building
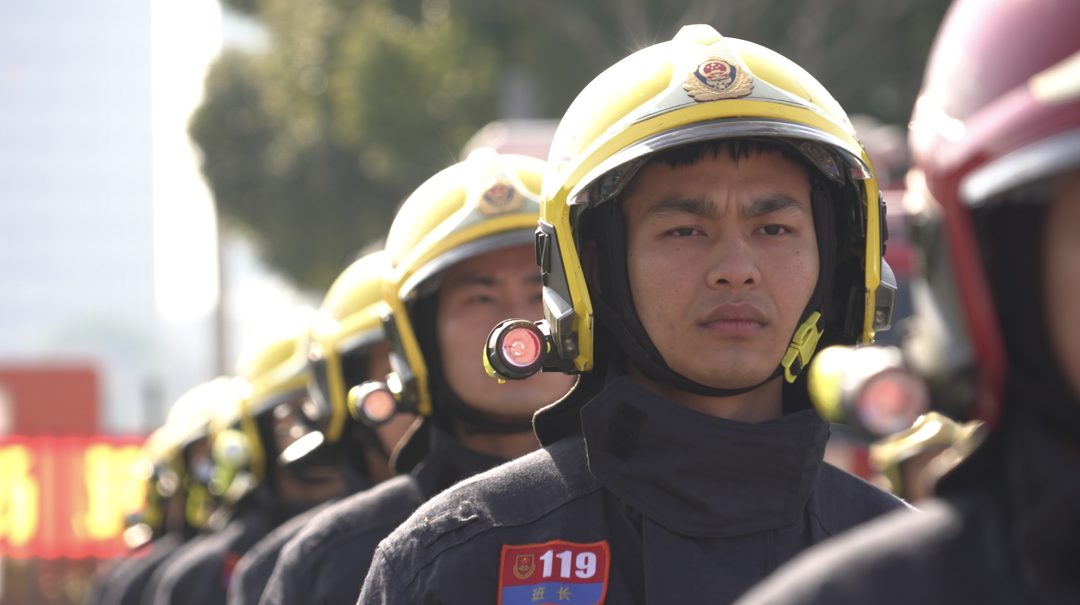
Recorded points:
(106,231)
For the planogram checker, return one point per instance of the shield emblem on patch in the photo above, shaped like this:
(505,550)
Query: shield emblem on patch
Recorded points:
(524,566)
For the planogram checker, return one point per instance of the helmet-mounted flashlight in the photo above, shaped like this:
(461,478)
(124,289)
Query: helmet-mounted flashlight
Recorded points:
(516,349)
(868,388)
(373,402)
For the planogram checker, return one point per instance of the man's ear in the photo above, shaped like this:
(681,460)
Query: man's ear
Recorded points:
(591,266)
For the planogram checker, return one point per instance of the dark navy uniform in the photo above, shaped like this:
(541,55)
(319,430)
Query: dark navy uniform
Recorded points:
(327,560)
(200,571)
(1005,528)
(130,577)
(650,503)
(253,570)
(99,583)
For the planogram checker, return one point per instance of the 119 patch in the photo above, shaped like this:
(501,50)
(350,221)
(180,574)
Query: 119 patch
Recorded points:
(554,573)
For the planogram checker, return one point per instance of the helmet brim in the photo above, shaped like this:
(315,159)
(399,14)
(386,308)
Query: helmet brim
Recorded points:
(725,128)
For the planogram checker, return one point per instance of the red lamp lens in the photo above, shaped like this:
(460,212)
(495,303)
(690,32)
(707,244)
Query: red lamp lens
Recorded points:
(521,347)
(891,402)
(379,405)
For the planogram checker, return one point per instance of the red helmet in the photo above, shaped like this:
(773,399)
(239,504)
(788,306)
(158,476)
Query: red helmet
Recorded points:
(997,119)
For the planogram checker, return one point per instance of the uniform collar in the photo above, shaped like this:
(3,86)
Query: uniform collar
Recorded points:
(450,461)
(696,474)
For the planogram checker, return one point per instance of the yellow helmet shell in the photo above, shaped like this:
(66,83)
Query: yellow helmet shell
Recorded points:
(269,371)
(489,201)
(190,417)
(698,86)
(350,318)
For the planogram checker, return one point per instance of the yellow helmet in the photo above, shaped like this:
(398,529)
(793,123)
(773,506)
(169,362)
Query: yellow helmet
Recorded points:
(188,421)
(489,201)
(269,372)
(929,432)
(348,323)
(699,86)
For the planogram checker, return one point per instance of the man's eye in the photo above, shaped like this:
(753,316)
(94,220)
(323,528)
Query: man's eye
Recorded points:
(683,231)
(774,230)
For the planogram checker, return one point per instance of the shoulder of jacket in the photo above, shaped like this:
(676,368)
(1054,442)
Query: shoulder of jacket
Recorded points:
(372,510)
(897,558)
(271,544)
(841,500)
(513,494)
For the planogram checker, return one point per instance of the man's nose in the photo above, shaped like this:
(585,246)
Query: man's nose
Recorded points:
(526,305)
(732,264)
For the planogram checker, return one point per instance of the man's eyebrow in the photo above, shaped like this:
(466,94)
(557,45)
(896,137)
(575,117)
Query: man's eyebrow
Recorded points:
(684,205)
(771,205)
(473,279)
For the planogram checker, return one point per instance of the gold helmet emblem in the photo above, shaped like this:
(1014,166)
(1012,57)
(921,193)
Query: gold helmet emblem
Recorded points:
(499,197)
(717,78)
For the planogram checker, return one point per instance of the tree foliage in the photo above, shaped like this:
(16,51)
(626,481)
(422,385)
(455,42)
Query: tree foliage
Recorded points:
(312,143)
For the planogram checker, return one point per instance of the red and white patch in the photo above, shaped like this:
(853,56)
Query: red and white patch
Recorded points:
(554,573)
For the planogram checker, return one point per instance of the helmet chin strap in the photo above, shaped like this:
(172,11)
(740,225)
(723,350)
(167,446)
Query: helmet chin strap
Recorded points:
(615,306)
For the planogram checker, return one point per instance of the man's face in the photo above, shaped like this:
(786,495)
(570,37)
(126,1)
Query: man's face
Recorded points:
(1061,249)
(475,295)
(722,258)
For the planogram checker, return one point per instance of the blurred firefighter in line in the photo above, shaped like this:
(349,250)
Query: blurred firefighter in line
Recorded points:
(258,485)
(176,465)
(461,259)
(995,197)
(236,457)
(347,347)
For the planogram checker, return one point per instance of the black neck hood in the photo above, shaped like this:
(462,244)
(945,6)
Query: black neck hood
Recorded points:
(698,475)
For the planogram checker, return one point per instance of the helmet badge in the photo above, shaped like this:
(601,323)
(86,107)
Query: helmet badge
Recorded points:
(499,197)
(717,78)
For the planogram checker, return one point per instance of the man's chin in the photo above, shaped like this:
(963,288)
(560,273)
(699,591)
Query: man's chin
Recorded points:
(733,377)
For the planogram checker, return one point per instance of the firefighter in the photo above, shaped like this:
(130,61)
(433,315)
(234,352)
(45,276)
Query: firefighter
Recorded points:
(995,195)
(708,220)
(272,383)
(174,462)
(461,257)
(348,348)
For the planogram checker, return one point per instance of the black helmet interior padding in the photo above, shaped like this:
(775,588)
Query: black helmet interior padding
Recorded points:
(356,437)
(1011,239)
(615,305)
(355,370)
(447,406)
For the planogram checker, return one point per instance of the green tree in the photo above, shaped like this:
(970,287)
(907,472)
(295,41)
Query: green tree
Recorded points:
(312,144)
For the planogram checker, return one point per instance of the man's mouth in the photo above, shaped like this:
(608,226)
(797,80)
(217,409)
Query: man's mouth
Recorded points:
(735,319)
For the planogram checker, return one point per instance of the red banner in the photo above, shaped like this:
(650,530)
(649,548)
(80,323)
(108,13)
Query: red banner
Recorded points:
(67,497)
